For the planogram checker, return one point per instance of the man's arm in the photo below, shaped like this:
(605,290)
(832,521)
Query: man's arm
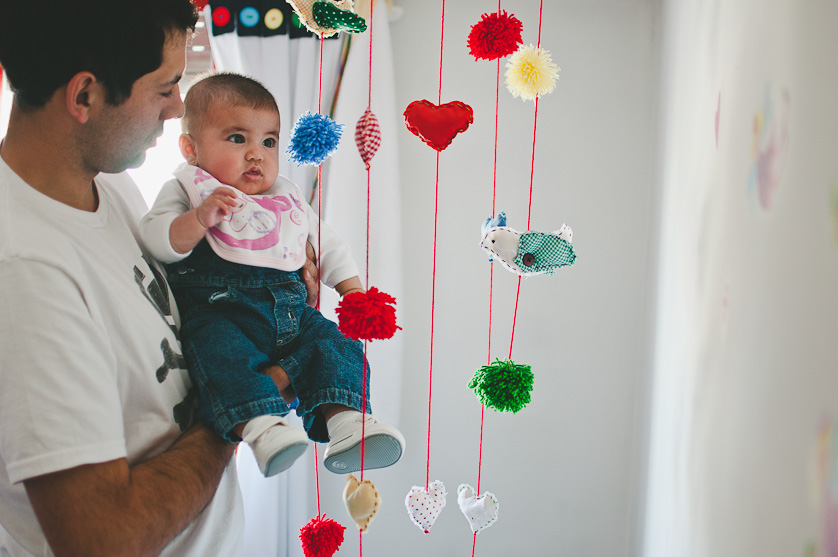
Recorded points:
(112,509)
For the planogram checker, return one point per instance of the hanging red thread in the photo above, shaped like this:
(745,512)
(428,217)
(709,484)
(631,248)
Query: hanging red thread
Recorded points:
(366,283)
(433,272)
(532,173)
(491,281)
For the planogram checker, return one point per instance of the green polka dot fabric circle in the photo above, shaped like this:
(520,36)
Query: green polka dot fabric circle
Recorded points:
(330,16)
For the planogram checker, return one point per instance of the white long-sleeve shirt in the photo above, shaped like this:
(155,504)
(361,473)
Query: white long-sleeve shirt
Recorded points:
(267,230)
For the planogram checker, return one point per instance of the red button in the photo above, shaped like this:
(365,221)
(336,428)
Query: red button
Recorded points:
(220,16)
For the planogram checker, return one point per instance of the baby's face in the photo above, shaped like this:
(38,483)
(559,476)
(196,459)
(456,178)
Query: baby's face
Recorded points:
(239,147)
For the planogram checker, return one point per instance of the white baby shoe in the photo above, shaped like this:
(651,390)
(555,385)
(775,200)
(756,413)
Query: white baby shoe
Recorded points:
(275,444)
(383,444)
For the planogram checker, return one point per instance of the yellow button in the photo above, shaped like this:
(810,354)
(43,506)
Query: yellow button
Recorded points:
(274,18)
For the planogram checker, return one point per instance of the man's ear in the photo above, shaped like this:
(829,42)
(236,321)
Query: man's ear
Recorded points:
(187,148)
(82,93)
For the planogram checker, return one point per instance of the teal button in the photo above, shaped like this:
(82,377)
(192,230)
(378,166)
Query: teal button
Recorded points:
(249,17)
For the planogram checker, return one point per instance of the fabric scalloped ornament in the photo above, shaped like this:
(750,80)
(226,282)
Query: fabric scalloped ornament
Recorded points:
(362,501)
(495,36)
(437,125)
(313,139)
(481,512)
(503,385)
(531,73)
(321,537)
(367,315)
(305,11)
(329,16)
(529,253)
(424,505)
(367,136)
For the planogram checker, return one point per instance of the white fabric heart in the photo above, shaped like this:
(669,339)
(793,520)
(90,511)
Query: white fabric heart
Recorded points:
(424,505)
(481,512)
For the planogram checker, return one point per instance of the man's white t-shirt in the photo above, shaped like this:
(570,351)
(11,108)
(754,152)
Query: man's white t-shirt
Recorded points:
(91,367)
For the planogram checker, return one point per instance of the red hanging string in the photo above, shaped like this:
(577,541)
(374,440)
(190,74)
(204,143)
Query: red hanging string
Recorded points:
(433,312)
(317,478)
(367,267)
(367,279)
(491,283)
(319,183)
(369,74)
(433,273)
(317,255)
(532,173)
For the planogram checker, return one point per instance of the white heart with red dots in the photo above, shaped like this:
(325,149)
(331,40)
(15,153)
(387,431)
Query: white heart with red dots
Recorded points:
(481,512)
(424,505)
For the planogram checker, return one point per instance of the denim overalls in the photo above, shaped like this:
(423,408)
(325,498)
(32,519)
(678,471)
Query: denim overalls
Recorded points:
(238,320)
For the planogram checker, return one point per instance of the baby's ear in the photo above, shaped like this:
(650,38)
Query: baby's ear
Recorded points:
(187,148)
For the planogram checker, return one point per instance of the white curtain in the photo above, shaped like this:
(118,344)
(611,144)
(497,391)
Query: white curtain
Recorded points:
(276,508)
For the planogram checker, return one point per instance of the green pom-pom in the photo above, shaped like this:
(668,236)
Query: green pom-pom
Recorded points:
(504,385)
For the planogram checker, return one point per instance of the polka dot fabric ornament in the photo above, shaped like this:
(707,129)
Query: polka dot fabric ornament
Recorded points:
(531,73)
(305,11)
(328,15)
(424,505)
(367,315)
(321,537)
(503,385)
(313,139)
(367,136)
(480,511)
(495,36)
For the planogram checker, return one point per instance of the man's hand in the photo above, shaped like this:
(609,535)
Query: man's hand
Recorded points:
(310,275)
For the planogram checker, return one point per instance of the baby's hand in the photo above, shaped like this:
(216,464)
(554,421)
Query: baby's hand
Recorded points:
(216,206)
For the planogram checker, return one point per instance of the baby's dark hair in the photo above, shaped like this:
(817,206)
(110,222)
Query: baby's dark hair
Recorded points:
(223,89)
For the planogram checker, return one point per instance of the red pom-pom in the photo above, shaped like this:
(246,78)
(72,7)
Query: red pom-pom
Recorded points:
(496,35)
(321,537)
(367,315)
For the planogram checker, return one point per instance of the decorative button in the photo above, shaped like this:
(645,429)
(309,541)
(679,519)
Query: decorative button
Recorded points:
(220,16)
(528,259)
(274,18)
(249,17)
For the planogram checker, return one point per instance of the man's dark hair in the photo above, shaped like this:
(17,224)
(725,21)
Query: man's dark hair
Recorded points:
(45,43)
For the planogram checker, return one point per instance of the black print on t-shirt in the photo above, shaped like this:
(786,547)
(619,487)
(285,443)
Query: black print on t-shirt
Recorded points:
(171,360)
(156,290)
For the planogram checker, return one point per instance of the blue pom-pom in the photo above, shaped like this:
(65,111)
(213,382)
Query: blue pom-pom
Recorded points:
(313,139)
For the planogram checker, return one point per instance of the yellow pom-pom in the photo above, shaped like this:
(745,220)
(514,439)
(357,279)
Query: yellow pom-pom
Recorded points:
(530,72)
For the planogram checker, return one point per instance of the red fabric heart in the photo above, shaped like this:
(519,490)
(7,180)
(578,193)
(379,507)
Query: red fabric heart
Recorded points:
(437,125)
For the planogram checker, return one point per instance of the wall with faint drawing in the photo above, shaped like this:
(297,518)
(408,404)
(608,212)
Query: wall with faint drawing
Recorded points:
(744,425)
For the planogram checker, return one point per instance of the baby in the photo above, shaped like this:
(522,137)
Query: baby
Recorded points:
(233,234)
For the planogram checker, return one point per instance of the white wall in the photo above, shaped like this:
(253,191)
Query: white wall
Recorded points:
(566,468)
(744,441)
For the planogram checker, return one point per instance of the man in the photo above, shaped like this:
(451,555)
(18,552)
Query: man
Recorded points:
(99,454)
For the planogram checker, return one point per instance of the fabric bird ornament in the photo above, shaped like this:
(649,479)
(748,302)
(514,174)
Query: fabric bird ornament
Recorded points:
(529,253)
